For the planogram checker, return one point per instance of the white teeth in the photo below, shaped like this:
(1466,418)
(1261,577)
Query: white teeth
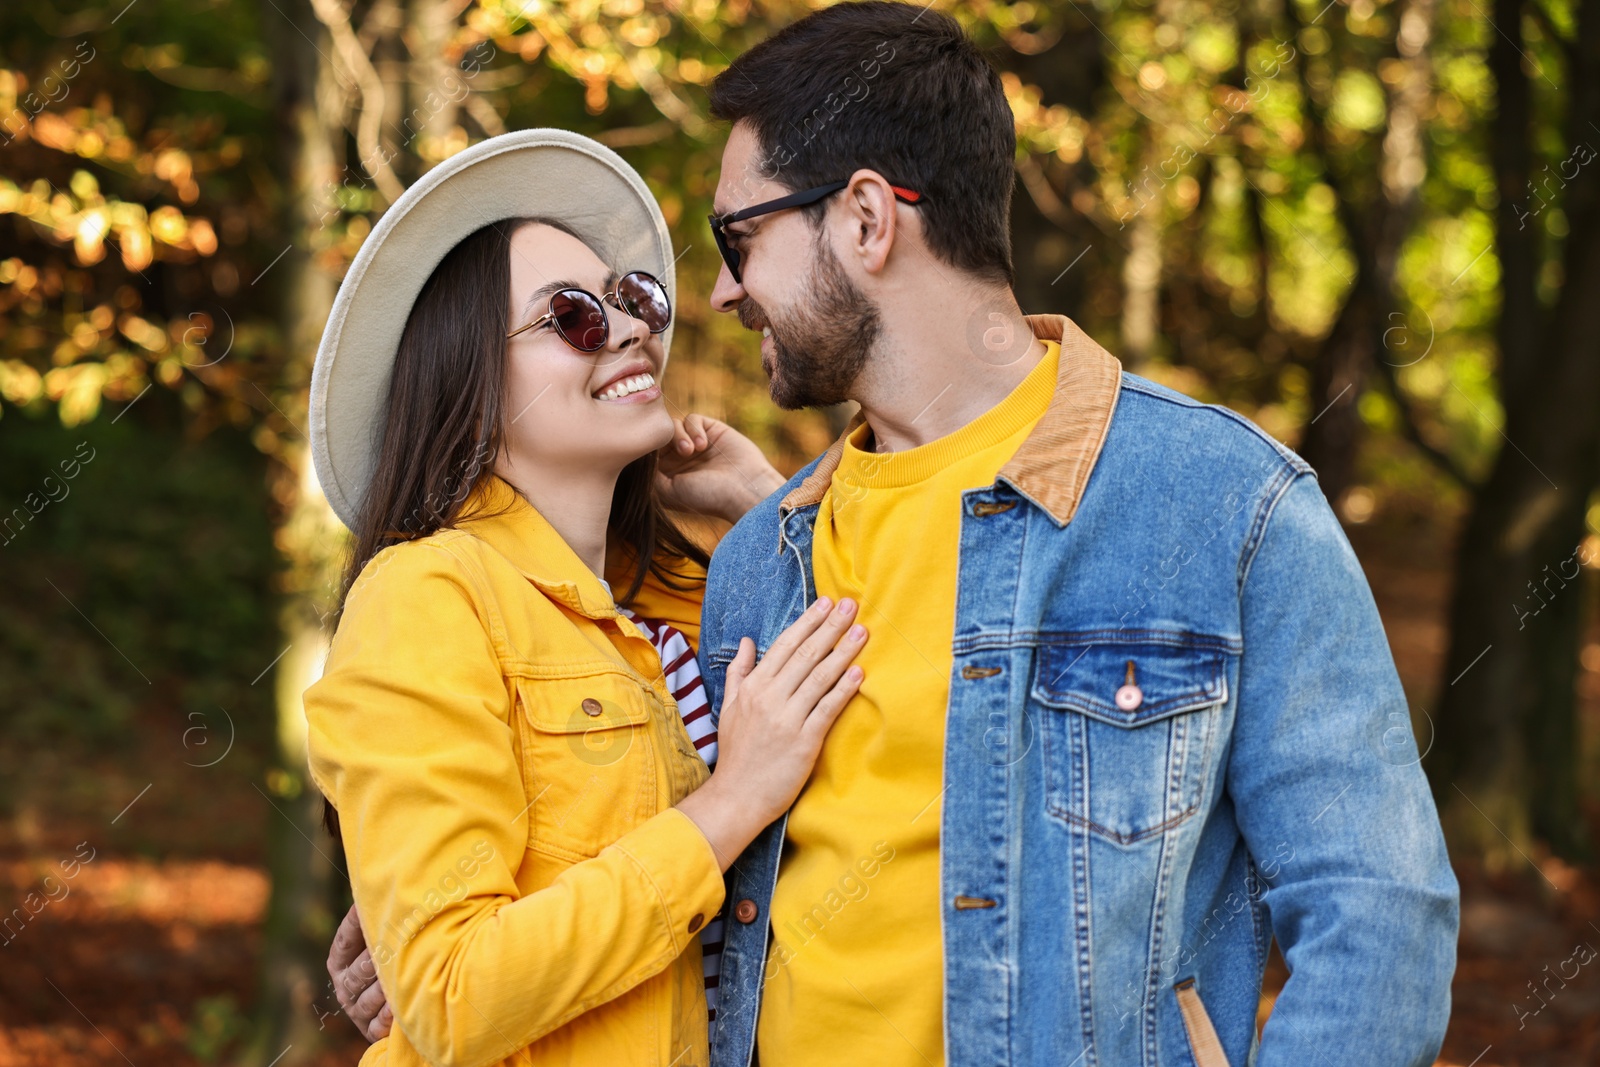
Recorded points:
(766,331)
(637,384)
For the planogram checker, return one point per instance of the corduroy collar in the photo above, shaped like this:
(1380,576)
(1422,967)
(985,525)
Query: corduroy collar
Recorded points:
(1053,465)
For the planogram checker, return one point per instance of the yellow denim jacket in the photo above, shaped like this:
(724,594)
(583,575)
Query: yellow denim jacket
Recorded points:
(504,756)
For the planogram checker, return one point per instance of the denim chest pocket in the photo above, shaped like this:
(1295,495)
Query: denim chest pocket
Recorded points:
(716,671)
(717,663)
(587,761)
(1128,727)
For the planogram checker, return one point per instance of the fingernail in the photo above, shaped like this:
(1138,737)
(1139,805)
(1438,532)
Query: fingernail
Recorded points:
(857,632)
(855,673)
(847,606)
(822,605)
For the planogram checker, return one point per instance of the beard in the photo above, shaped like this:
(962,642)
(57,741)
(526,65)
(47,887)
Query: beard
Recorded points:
(820,348)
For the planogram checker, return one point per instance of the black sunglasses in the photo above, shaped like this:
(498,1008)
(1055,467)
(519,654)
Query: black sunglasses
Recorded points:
(580,317)
(730,255)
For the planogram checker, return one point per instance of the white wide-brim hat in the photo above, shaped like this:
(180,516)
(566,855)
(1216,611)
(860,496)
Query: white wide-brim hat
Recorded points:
(553,173)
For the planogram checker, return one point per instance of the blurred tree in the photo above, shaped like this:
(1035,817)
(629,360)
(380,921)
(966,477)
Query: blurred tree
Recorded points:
(308,91)
(1377,208)
(1508,754)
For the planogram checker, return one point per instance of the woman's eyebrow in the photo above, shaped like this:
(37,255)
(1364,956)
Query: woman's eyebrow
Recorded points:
(552,288)
(547,289)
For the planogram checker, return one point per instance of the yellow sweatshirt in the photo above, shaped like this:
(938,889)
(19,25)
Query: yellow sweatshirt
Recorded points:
(857,959)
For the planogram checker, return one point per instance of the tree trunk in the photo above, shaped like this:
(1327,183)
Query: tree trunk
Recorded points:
(1051,241)
(1506,761)
(437,88)
(291,1011)
(383,31)
(1366,328)
(1141,279)
(1338,378)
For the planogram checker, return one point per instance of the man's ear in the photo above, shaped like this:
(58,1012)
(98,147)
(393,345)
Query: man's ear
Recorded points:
(870,212)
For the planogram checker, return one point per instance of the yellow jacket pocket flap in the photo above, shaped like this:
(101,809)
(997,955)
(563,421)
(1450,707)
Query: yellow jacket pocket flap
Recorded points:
(582,705)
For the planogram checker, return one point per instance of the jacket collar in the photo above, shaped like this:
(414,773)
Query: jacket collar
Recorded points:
(1053,465)
(503,519)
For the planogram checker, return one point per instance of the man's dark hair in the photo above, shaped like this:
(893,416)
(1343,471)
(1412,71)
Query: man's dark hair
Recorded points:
(894,88)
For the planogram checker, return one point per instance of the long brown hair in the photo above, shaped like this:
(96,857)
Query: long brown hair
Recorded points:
(443,426)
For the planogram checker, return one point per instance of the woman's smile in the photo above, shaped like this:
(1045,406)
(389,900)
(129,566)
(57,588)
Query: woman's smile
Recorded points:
(634,384)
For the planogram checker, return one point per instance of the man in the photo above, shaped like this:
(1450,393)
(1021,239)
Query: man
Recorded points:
(1129,712)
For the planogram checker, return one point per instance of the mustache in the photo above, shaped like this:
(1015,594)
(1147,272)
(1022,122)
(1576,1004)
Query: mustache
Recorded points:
(751,317)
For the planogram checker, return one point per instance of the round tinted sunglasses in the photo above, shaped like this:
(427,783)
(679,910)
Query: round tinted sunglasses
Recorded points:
(580,317)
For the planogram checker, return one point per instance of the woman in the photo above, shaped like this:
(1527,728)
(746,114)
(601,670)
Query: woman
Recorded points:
(533,841)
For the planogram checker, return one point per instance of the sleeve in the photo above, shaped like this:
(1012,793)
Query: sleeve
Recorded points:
(411,740)
(1326,778)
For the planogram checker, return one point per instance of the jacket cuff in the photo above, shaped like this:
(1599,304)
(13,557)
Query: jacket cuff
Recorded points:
(674,856)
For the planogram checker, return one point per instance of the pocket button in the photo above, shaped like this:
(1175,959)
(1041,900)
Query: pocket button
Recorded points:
(591,706)
(1130,696)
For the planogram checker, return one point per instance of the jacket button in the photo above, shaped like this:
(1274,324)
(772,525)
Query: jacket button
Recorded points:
(591,706)
(696,923)
(1130,696)
(745,911)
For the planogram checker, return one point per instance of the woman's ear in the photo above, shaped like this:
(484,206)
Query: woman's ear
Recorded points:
(870,204)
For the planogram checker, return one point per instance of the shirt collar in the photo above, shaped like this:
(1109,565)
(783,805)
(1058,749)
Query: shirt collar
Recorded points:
(503,519)
(1053,464)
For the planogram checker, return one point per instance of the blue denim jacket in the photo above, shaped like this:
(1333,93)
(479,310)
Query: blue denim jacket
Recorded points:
(1113,872)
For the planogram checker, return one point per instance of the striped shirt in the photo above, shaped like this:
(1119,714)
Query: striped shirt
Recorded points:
(682,673)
